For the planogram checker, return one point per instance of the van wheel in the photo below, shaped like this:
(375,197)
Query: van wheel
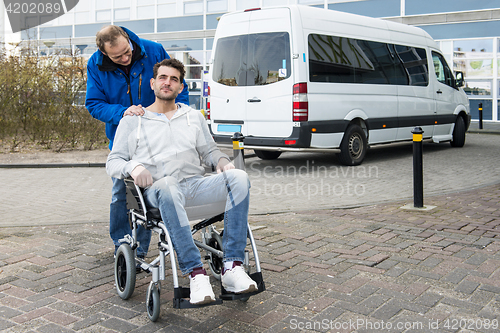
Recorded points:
(267,155)
(353,146)
(458,139)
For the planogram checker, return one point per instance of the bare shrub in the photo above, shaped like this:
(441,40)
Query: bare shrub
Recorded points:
(40,101)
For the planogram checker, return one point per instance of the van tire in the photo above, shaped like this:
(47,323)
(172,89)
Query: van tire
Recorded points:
(267,155)
(353,146)
(458,139)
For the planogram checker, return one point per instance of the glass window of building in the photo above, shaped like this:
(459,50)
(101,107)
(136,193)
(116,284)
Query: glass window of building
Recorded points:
(82,12)
(478,87)
(102,4)
(181,23)
(103,15)
(122,14)
(214,6)
(193,7)
(166,10)
(145,12)
(474,57)
(82,6)
(121,3)
(66,19)
(246,4)
(269,3)
(312,2)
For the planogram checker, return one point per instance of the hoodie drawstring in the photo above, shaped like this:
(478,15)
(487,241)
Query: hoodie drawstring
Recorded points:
(189,123)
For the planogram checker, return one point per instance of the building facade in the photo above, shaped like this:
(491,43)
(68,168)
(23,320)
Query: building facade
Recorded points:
(468,32)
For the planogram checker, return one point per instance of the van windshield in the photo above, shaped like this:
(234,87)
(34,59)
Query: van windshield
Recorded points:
(254,59)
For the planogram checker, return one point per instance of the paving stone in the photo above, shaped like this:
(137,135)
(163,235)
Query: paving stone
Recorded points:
(374,301)
(5,324)
(456,275)
(467,287)
(53,328)
(477,259)
(461,304)
(89,321)
(7,312)
(118,325)
(388,310)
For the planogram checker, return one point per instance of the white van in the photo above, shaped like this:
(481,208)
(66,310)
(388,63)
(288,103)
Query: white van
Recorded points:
(299,78)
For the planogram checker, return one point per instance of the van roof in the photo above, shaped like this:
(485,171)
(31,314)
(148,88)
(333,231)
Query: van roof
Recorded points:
(312,17)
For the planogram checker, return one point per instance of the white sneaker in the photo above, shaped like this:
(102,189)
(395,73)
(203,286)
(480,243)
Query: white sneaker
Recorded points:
(236,280)
(200,290)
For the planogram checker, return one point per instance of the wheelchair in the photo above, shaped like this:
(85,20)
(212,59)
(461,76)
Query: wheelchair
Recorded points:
(211,242)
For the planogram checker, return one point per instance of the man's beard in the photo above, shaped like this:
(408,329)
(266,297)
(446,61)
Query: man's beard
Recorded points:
(165,97)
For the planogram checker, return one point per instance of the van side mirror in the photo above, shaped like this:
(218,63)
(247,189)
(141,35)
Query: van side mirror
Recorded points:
(460,79)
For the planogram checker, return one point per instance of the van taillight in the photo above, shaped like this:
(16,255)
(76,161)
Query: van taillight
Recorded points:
(208,103)
(300,103)
(251,9)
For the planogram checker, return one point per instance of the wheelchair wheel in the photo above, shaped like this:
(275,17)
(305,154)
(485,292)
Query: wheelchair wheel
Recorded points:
(215,263)
(125,271)
(153,302)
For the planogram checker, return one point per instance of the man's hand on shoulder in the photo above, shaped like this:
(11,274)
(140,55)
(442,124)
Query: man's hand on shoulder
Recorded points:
(224,165)
(142,176)
(134,110)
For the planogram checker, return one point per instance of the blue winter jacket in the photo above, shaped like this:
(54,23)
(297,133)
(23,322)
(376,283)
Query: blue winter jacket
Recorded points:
(110,91)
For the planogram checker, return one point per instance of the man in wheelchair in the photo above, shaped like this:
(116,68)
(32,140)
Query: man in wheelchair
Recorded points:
(164,151)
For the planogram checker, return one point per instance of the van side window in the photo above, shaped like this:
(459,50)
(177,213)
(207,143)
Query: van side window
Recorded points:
(349,60)
(414,60)
(254,59)
(443,72)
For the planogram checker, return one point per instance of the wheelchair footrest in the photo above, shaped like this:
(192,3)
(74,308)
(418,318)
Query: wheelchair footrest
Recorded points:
(180,299)
(230,296)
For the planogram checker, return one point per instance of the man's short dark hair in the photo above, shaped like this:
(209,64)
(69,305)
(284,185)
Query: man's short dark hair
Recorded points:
(174,63)
(109,34)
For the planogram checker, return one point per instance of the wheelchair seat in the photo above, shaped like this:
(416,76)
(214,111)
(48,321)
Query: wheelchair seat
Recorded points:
(194,213)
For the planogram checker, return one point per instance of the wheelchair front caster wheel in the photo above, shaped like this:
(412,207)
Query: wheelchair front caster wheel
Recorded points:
(153,302)
(125,271)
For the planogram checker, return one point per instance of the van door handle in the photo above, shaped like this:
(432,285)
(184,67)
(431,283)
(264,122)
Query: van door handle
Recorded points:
(254,100)
(439,92)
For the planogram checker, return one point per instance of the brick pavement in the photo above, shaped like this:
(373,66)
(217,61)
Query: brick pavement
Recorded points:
(347,270)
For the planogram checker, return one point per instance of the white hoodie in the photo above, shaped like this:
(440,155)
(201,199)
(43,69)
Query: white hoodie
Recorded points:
(165,148)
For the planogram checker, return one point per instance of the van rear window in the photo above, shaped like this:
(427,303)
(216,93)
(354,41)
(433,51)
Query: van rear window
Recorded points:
(349,60)
(254,59)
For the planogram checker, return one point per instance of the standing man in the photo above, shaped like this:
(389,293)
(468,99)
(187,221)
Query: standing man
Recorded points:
(118,76)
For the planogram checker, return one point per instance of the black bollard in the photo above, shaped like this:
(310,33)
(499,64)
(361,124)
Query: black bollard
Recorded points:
(480,115)
(418,178)
(239,158)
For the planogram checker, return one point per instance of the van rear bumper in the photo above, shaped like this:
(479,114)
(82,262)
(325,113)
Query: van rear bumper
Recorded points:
(301,136)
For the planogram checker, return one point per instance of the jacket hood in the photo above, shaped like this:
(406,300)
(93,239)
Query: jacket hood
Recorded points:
(183,109)
(105,64)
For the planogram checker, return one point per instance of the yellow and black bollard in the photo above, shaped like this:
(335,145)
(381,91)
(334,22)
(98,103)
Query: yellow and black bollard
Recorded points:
(418,178)
(480,109)
(238,152)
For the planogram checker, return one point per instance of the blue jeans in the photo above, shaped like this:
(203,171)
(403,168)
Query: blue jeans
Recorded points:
(171,196)
(119,225)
